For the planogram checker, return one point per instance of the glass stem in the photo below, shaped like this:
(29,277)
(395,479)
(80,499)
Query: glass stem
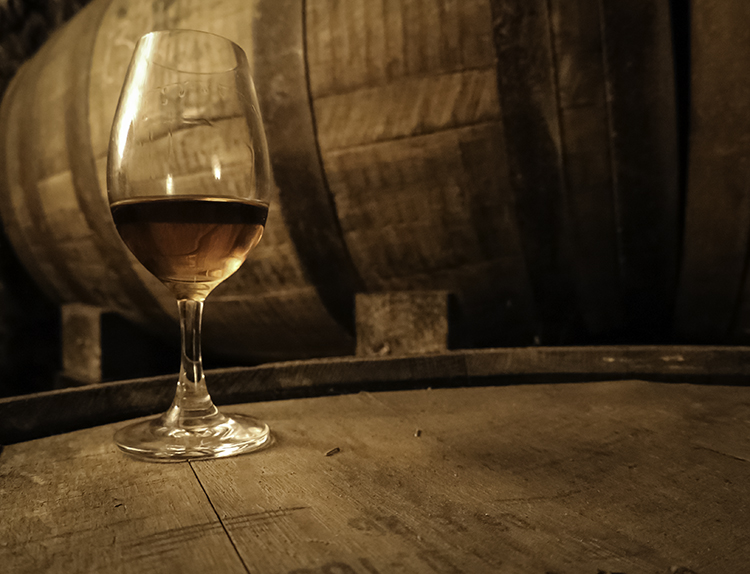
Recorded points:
(192,405)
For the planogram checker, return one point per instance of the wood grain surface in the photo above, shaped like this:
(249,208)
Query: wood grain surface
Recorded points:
(584,117)
(305,201)
(631,476)
(526,77)
(643,133)
(712,300)
(409,126)
(587,95)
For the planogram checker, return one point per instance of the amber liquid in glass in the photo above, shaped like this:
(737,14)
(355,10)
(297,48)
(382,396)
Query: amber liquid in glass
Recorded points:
(191,244)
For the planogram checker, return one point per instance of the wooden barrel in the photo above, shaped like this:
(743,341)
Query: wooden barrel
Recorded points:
(56,119)
(484,148)
(608,477)
(714,293)
(552,165)
(587,98)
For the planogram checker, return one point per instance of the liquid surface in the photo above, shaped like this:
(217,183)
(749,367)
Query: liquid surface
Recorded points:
(193,243)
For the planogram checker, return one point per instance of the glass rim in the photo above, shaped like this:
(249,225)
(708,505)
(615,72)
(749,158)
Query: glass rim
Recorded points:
(178,31)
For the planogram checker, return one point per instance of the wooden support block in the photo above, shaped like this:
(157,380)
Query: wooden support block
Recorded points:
(402,323)
(81,344)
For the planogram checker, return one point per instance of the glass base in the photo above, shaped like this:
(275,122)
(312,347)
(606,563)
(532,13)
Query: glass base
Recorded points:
(224,435)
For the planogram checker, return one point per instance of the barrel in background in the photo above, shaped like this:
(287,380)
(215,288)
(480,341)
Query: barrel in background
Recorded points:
(29,321)
(587,92)
(531,165)
(58,216)
(413,148)
(520,155)
(713,302)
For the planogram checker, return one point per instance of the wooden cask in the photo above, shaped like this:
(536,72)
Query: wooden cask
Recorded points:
(587,96)
(56,119)
(552,165)
(714,295)
(584,478)
(483,148)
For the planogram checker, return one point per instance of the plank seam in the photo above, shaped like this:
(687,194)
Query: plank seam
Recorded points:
(223,526)
(562,163)
(735,457)
(395,81)
(324,177)
(563,160)
(611,148)
(412,137)
(304,191)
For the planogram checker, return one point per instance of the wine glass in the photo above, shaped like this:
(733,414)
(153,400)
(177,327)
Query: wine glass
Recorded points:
(188,179)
